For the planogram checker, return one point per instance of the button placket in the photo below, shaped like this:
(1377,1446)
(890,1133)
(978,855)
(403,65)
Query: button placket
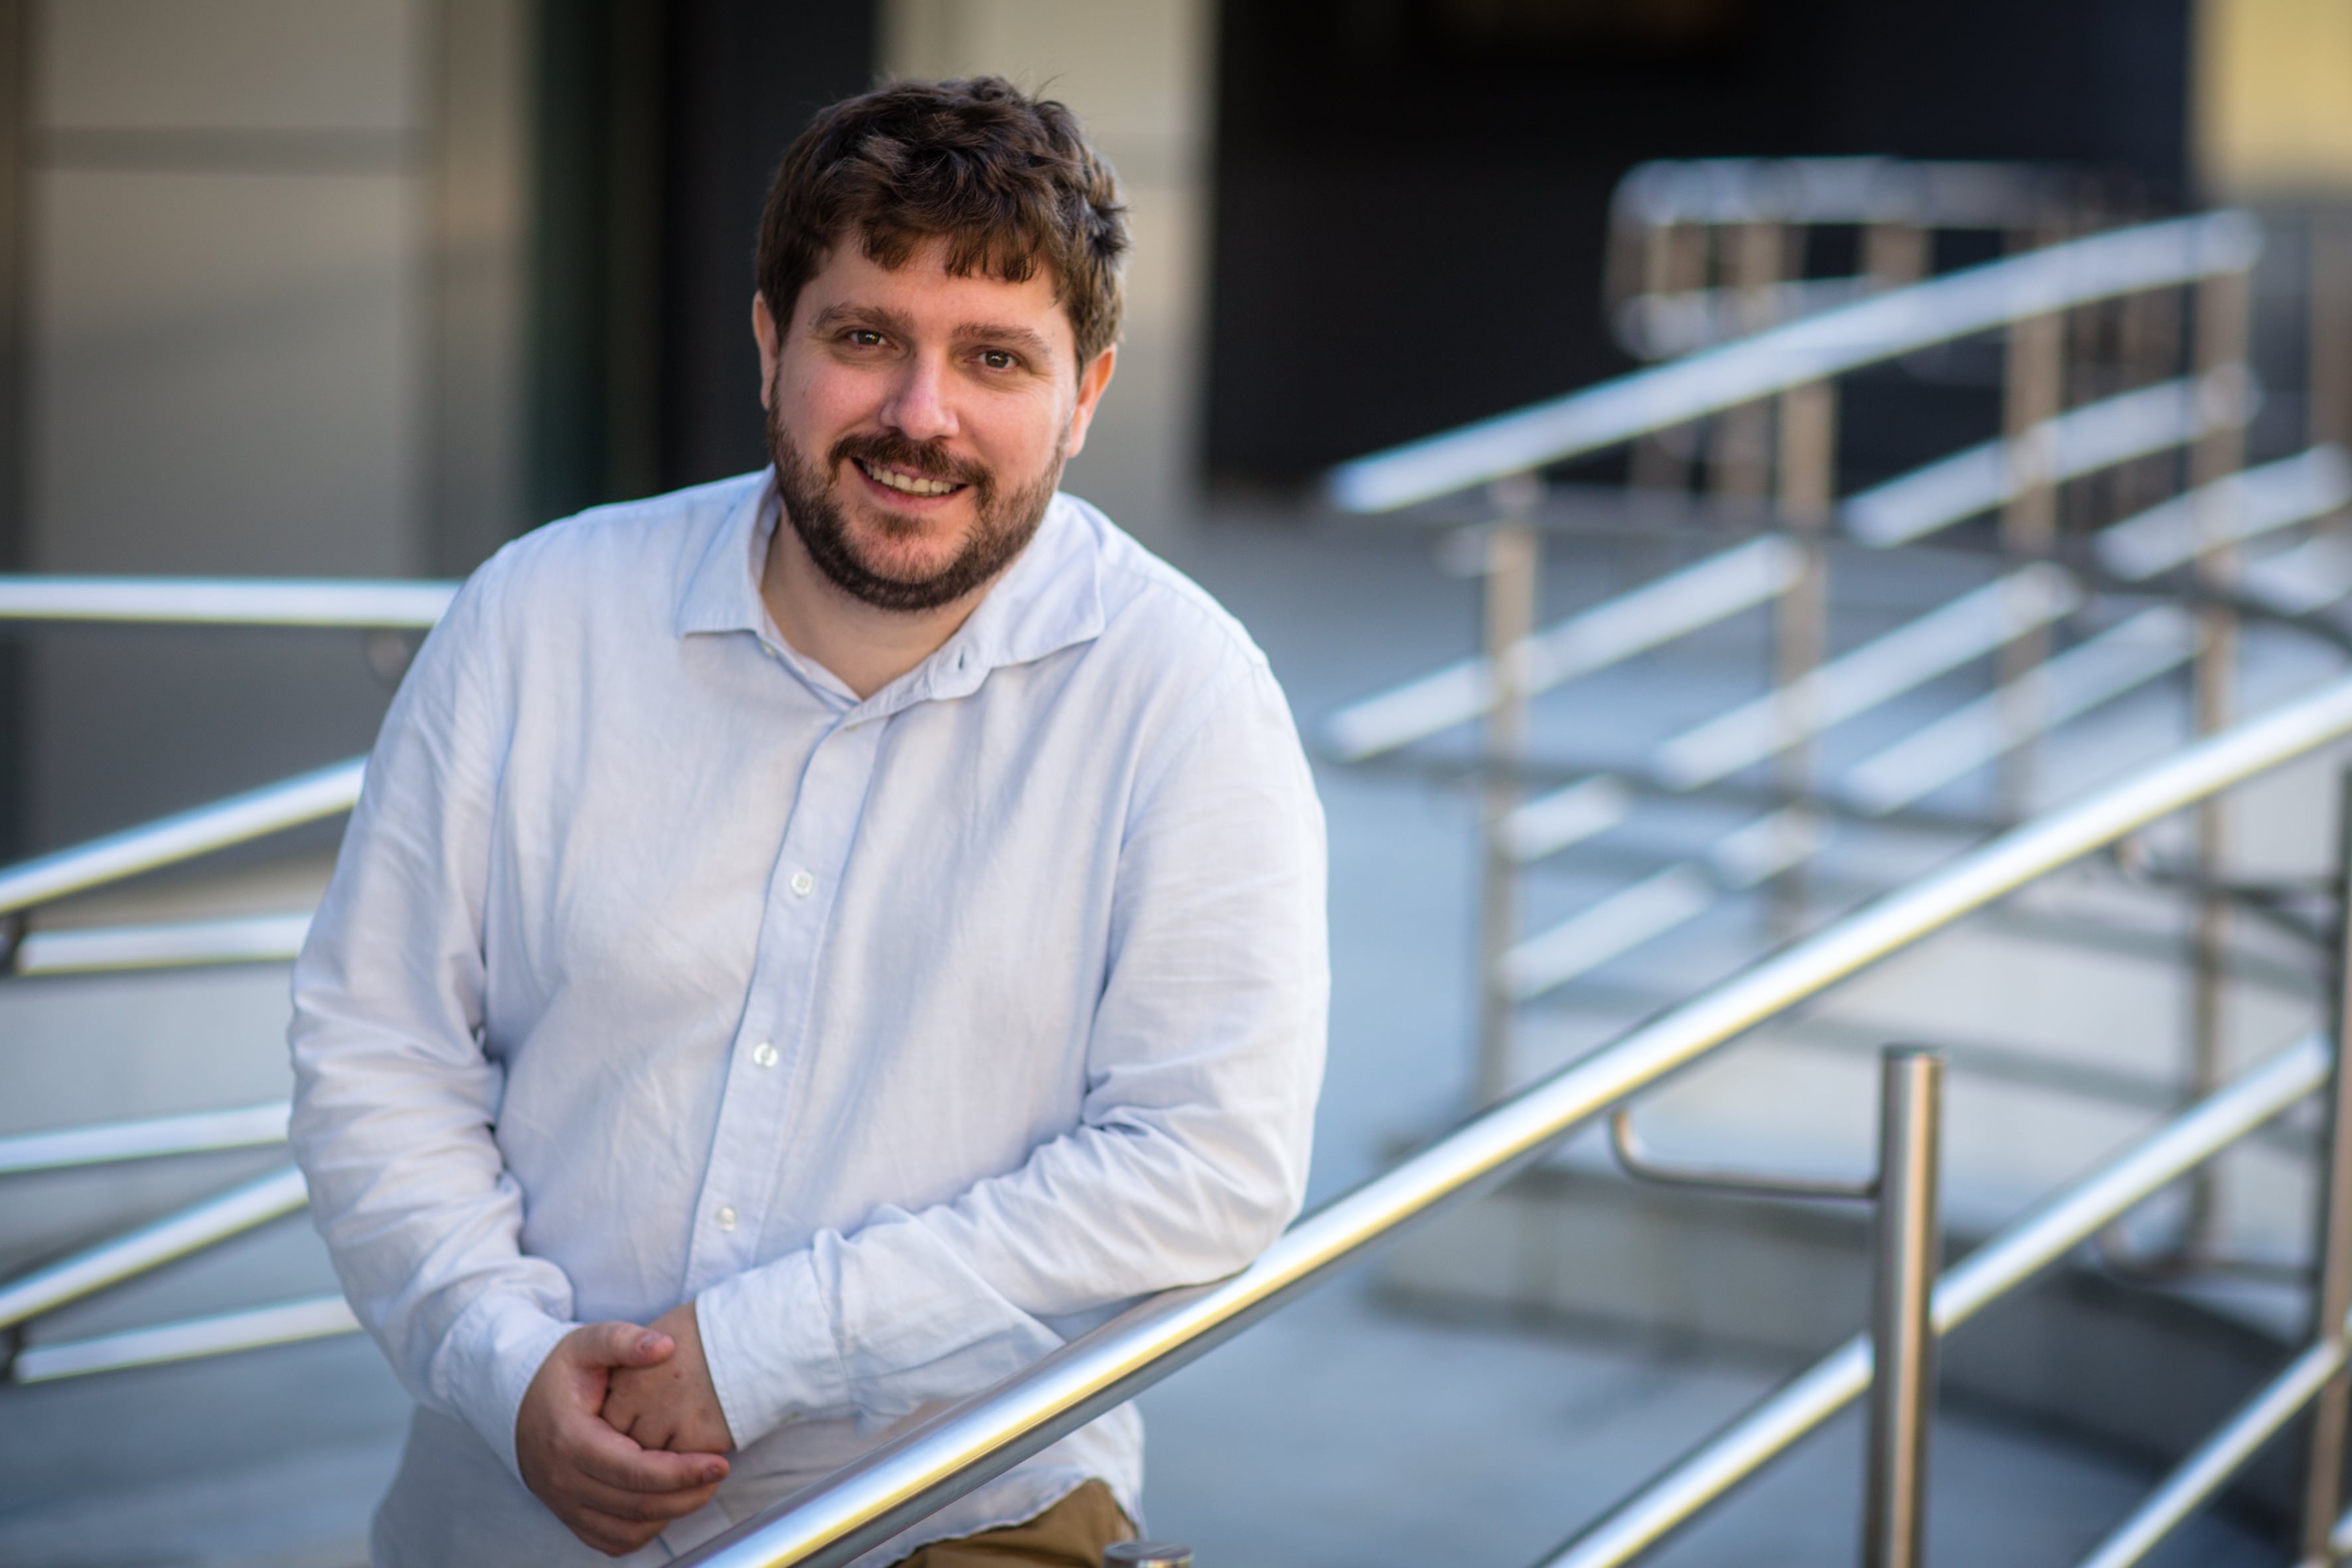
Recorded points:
(747,1144)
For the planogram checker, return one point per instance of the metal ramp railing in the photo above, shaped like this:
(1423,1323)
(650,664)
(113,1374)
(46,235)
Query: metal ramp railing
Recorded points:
(28,951)
(2179,570)
(868,1501)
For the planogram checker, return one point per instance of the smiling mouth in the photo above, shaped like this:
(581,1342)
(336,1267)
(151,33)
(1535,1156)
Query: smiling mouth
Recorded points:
(905,483)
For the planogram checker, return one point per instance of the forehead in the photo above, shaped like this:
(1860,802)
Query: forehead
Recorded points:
(930,298)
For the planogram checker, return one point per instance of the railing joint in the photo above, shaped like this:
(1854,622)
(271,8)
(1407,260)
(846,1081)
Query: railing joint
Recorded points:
(1634,1157)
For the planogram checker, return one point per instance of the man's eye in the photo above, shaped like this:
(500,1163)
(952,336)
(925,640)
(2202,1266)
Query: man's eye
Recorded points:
(866,337)
(998,359)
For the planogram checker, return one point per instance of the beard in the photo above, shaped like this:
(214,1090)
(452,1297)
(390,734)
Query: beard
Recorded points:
(1002,522)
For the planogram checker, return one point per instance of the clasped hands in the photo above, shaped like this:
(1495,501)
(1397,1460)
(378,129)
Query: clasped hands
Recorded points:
(621,1432)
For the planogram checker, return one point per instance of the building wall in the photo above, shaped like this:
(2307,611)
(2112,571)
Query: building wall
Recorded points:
(268,304)
(2274,112)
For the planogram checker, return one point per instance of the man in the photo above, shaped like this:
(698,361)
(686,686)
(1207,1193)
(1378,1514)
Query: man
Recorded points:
(810,944)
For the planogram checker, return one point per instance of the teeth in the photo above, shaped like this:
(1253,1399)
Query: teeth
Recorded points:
(911,484)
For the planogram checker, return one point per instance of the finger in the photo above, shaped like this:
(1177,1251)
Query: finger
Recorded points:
(599,1451)
(617,1502)
(624,1345)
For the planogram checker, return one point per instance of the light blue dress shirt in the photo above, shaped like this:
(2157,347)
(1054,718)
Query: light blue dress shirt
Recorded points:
(906,1036)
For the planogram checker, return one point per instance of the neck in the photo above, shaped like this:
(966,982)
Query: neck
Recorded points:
(865,647)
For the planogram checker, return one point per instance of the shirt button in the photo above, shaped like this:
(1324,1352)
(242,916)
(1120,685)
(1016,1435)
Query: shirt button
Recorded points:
(725,1216)
(802,884)
(764,1054)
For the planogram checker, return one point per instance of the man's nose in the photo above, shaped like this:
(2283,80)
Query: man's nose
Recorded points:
(919,408)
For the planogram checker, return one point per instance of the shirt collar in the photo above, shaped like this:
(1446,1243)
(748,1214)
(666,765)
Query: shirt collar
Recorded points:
(722,593)
(1050,598)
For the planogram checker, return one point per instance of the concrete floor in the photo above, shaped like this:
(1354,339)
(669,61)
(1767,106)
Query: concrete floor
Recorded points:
(1337,1433)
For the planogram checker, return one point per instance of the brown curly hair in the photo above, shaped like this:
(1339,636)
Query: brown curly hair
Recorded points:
(1007,180)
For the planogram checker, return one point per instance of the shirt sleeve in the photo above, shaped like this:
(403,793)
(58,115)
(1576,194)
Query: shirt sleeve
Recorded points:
(1191,1153)
(394,1099)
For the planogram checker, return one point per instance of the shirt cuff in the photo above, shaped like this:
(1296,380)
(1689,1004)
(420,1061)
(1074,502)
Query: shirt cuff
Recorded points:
(491,1353)
(768,1340)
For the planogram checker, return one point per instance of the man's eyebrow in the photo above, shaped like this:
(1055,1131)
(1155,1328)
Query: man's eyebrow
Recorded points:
(1031,343)
(844,315)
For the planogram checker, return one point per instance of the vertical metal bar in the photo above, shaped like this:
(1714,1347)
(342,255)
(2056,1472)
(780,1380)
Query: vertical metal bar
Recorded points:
(2223,306)
(1740,455)
(1673,261)
(2034,391)
(2084,377)
(2322,1483)
(2149,347)
(1894,254)
(2329,379)
(1514,560)
(1908,1248)
(1808,476)
(16,551)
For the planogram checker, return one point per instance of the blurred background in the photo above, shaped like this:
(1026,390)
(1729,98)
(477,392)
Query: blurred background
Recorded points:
(335,287)
(362,288)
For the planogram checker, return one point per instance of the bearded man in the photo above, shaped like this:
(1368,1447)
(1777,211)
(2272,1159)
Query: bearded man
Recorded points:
(812,944)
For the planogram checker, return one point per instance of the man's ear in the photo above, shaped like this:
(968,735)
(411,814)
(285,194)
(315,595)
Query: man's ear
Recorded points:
(770,337)
(1093,382)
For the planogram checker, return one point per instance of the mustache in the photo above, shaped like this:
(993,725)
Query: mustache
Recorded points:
(931,460)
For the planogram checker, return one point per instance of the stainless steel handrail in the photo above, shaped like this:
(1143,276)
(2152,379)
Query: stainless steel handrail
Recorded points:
(1781,359)
(2070,445)
(153,1245)
(868,1501)
(221,1333)
(234,939)
(183,836)
(227,601)
(1866,190)
(150,1138)
(1690,599)
(2220,1456)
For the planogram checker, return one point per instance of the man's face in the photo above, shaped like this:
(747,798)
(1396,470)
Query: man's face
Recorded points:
(919,421)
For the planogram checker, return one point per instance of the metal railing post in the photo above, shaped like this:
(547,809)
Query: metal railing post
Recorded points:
(2322,1487)
(1739,445)
(1895,254)
(1807,489)
(2329,381)
(2148,347)
(1514,560)
(1907,1253)
(2034,393)
(2222,327)
(1673,262)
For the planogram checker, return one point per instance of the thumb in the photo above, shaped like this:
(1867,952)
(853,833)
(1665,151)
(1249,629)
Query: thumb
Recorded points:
(626,1345)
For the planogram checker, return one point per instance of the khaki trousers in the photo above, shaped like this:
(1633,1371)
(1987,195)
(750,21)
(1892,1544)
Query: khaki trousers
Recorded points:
(1070,1534)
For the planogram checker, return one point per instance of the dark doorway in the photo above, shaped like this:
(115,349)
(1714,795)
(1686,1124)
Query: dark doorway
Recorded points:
(660,123)
(1412,195)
